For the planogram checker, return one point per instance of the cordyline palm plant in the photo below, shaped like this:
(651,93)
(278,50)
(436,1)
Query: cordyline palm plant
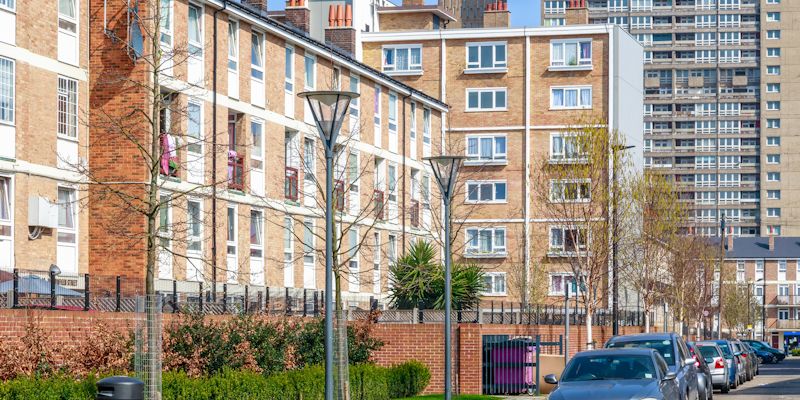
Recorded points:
(418,281)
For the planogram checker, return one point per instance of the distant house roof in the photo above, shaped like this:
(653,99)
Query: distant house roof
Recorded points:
(758,247)
(434,9)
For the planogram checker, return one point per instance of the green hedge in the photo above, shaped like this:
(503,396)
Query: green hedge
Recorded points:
(367,382)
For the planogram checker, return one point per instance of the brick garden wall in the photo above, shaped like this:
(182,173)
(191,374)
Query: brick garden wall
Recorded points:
(402,342)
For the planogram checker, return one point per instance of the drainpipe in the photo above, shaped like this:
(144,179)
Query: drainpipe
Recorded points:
(214,160)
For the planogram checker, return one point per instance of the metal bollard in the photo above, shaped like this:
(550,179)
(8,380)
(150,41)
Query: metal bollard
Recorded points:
(120,388)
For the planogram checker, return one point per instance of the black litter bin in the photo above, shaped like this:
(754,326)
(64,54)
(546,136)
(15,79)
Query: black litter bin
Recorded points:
(120,388)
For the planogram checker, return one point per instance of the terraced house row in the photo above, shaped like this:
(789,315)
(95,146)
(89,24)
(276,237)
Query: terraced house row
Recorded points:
(238,158)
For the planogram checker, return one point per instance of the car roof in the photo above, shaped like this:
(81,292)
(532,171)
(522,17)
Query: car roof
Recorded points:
(640,351)
(643,336)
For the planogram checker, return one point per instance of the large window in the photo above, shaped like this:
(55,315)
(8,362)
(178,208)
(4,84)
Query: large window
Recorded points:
(68,25)
(490,99)
(67,215)
(310,71)
(571,97)
(559,282)
(195,226)
(233,45)
(486,148)
(402,59)
(494,284)
(486,56)
(256,234)
(67,107)
(6,90)
(486,192)
(486,241)
(575,190)
(571,53)
(195,30)
(257,55)
(288,252)
(5,206)
(257,153)
(166,23)
(8,4)
(308,241)
(355,87)
(565,147)
(567,239)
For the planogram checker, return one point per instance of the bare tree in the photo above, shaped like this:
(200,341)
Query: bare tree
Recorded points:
(690,269)
(573,190)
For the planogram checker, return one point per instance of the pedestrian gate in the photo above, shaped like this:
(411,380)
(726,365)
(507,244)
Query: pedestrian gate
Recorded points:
(510,365)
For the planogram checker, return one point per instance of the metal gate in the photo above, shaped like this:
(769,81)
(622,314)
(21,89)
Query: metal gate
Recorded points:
(510,365)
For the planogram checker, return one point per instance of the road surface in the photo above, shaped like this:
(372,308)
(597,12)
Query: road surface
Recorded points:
(776,382)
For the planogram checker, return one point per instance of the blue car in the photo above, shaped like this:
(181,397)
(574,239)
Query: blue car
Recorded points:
(730,359)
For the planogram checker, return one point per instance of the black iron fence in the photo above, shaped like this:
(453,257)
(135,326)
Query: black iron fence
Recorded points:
(510,364)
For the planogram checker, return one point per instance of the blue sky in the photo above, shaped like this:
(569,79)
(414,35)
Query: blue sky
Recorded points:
(523,12)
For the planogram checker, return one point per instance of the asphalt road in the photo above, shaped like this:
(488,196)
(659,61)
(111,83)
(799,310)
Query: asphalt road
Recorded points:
(776,381)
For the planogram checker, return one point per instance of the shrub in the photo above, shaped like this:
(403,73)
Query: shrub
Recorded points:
(54,388)
(310,343)
(795,352)
(408,379)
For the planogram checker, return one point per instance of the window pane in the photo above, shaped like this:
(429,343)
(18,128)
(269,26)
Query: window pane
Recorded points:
(558,97)
(66,210)
(310,66)
(485,238)
(388,57)
(256,228)
(256,53)
(231,224)
(571,98)
(194,120)
(66,8)
(486,99)
(472,191)
(287,234)
(287,68)
(500,99)
(402,60)
(472,54)
(233,43)
(500,238)
(472,146)
(194,24)
(486,57)
(6,90)
(67,107)
(500,146)
(500,191)
(5,196)
(486,191)
(486,148)
(416,56)
(472,100)
(586,97)
(500,54)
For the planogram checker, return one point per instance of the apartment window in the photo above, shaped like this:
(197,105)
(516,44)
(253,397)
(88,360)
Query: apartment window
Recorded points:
(759,269)
(426,132)
(288,251)
(392,113)
(166,23)
(308,241)
(353,172)
(774,230)
(773,212)
(773,123)
(740,271)
(5,207)
(233,45)
(773,34)
(486,241)
(8,4)
(67,216)
(773,194)
(559,282)
(773,105)
(68,31)
(773,70)
(354,271)
(773,158)
(554,22)
(256,234)
(195,226)
(288,70)
(376,262)
(195,30)
(494,284)
(7,90)
(570,190)
(773,1)
(571,97)
(232,231)
(773,88)
(567,239)
(257,154)
(565,147)
(391,249)
(486,56)
(773,176)
(402,59)
(355,87)
(67,107)
(310,72)
(783,313)
(486,192)
(493,99)
(773,52)
(486,148)
(257,56)
(773,17)
(570,53)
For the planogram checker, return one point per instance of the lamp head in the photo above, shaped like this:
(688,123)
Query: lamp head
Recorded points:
(445,169)
(329,109)
(54,270)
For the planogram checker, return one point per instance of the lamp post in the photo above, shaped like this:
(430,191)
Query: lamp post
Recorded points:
(54,272)
(329,109)
(615,240)
(445,169)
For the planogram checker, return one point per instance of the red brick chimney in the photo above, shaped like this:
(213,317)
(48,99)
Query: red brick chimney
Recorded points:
(260,5)
(298,14)
(340,32)
(771,241)
(730,241)
(576,13)
(497,15)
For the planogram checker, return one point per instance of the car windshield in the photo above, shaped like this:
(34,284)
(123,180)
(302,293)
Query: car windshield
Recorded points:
(708,351)
(609,367)
(726,351)
(756,345)
(663,346)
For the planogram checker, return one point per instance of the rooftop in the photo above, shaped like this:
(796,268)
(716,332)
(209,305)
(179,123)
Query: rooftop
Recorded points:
(758,247)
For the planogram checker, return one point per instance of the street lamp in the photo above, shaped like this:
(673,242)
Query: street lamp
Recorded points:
(614,240)
(329,109)
(445,169)
(54,272)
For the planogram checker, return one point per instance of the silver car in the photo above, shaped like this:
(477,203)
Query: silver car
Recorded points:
(613,374)
(714,357)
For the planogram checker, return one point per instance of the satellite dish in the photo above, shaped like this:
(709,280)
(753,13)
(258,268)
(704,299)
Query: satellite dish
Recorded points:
(135,37)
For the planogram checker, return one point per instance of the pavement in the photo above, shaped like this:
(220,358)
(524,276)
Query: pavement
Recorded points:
(775,382)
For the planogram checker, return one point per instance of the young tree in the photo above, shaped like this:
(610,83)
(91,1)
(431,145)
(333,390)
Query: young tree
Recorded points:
(574,192)
(690,270)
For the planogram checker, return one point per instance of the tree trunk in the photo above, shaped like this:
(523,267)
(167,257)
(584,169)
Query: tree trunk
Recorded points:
(646,319)
(589,340)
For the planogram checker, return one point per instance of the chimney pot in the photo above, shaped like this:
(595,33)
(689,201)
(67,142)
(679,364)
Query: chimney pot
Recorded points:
(348,15)
(339,15)
(330,15)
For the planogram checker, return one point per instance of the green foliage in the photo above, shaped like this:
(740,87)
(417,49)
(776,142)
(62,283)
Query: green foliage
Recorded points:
(310,343)
(795,352)
(419,281)
(408,379)
(368,382)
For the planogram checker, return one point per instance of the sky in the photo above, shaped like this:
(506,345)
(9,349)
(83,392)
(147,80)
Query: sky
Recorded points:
(523,12)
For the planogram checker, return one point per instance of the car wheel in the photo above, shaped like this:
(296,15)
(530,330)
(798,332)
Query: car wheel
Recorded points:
(726,388)
(735,383)
(760,360)
(710,392)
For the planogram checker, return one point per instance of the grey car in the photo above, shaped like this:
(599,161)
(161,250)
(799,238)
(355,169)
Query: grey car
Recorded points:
(615,375)
(715,358)
(673,348)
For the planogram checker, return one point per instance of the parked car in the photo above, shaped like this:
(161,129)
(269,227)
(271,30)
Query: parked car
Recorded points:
(752,358)
(616,375)
(745,361)
(735,369)
(673,348)
(714,356)
(704,389)
(759,345)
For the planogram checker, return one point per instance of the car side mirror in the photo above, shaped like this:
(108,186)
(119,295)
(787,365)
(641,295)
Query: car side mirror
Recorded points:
(689,361)
(670,376)
(551,379)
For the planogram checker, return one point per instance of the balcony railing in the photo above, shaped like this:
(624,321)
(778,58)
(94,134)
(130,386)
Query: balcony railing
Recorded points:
(788,324)
(414,213)
(235,171)
(290,185)
(169,155)
(380,204)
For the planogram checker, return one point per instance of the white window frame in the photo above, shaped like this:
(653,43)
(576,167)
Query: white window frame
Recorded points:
(497,157)
(289,66)
(309,58)
(495,94)
(71,21)
(167,35)
(196,142)
(288,252)
(478,184)
(74,230)
(68,93)
(581,63)
(471,251)
(426,131)
(353,264)
(9,204)
(196,48)
(498,65)
(257,247)
(8,114)
(561,250)
(563,157)
(232,243)
(257,71)
(567,280)
(5,6)
(491,285)
(773,141)
(355,104)
(578,90)
(309,256)
(558,196)
(391,69)
(233,59)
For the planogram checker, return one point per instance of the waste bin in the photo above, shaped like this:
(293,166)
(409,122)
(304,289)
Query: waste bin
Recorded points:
(120,388)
